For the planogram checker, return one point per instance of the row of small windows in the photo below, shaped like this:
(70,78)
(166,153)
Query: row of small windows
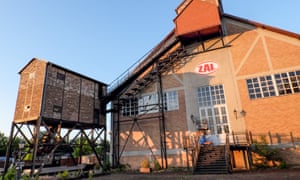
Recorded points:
(274,85)
(149,104)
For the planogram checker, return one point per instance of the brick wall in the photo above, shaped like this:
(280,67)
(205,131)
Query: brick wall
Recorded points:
(257,53)
(138,147)
(29,100)
(77,97)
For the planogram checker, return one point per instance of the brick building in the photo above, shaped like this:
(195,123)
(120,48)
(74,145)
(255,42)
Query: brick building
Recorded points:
(227,77)
(214,70)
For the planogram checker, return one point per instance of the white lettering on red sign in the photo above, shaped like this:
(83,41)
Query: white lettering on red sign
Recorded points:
(207,68)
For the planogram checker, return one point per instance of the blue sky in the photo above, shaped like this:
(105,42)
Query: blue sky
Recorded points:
(100,39)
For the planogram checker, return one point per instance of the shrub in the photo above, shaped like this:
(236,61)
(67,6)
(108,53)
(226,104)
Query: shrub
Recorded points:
(25,177)
(90,175)
(10,174)
(106,166)
(156,165)
(63,175)
(266,154)
(123,167)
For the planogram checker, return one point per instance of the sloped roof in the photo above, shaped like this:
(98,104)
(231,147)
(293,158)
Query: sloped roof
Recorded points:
(241,20)
(261,25)
(170,40)
(60,67)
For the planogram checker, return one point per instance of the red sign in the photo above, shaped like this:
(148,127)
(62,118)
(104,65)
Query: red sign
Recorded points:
(207,68)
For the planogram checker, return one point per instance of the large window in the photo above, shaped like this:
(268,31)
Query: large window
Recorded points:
(274,85)
(288,83)
(212,108)
(146,104)
(171,100)
(261,87)
(129,107)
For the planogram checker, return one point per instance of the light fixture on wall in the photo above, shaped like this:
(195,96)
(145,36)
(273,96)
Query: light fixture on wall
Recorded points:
(192,118)
(242,113)
(235,113)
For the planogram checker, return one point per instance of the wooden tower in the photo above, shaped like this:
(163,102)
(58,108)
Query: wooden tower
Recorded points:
(54,103)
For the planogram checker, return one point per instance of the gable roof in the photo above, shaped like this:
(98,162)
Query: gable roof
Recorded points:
(245,21)
(60,67)
(170,41)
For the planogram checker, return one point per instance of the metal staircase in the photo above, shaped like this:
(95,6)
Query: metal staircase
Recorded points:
(211,160)
(133,73)
(159,68)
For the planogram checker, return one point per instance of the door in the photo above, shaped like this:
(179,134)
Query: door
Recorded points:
(217,123)
(213,112)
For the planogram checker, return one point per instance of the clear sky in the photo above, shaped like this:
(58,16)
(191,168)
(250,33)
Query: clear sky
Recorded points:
(100,38)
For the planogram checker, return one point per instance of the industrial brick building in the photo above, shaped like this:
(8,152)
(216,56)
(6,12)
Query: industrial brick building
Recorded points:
(215,70)
(227,77)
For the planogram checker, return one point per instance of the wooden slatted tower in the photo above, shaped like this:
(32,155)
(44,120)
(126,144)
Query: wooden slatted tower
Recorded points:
(53,103)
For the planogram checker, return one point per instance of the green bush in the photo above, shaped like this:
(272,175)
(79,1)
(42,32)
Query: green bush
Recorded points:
(267,154)
(10,174)
(63,175)
(90,175)
(123,167)
(156,165)
(25,177)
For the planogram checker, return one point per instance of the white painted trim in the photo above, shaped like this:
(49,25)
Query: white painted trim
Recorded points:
(245,58)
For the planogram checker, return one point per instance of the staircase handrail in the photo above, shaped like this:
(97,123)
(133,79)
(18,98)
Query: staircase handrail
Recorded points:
(122,77)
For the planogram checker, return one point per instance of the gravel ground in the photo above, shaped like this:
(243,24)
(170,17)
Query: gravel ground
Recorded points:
(292,174)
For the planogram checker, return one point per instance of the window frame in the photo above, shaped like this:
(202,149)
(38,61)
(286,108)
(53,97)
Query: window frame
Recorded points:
(283,83)
(148,103)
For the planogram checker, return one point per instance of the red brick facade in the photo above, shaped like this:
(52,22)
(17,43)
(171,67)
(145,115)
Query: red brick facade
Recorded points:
(249,50)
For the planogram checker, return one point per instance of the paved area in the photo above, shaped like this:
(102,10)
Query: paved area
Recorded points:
(293,174)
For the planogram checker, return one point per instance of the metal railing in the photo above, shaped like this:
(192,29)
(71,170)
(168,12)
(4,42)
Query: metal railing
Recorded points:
(274,139)
(140,63)
(192,148)
(126,74)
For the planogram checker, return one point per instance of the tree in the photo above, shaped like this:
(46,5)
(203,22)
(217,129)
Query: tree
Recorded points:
(86,148)
(3,144)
